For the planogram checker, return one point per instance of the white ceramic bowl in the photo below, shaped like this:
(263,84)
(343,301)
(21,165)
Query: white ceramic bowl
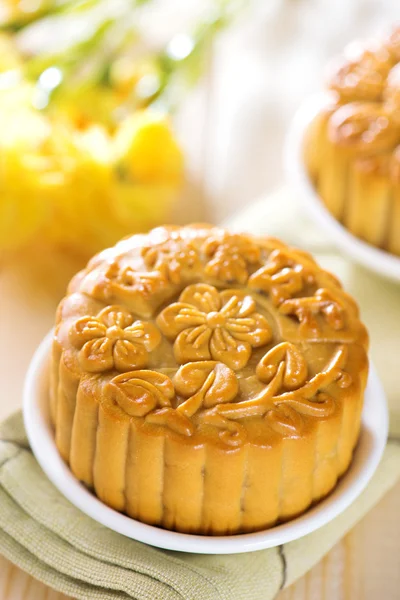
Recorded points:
(366,458)
(365,254)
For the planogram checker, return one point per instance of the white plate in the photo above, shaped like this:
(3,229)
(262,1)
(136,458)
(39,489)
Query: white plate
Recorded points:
(365,254)
(366,458)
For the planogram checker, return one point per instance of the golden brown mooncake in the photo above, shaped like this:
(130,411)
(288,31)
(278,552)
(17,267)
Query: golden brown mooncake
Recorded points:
(351,148)
(207,382)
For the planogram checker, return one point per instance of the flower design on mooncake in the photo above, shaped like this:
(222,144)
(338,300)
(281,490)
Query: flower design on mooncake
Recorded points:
(146,283)
(230,256)
(324,303)
(207,324)
(172,257)
(281,276)
(113,340)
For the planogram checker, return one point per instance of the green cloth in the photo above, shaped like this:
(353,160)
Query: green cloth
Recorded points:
(41,532)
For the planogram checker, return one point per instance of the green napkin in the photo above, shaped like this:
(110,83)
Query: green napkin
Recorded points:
(45,535)
(41,532)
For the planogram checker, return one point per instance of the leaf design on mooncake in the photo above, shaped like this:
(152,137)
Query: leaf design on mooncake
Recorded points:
(230,432)
(169,417)
(204,384)
(322,405)
(286,416)
(285,421)
(140,392)
(294,364)
(307,399)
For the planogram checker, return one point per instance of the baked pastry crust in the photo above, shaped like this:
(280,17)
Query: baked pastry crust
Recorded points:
(205,381)
(351,146)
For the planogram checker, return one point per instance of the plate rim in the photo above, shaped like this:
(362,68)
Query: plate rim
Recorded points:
(371,257)
(374,432)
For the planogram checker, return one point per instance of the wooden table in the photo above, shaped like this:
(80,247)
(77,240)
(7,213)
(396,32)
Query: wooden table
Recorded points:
(233,128)
(363,566)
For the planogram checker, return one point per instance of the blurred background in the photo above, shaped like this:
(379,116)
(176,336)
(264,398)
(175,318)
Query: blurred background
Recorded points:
(118,116)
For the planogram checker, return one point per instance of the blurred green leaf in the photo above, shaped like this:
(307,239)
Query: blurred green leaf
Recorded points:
(87,63)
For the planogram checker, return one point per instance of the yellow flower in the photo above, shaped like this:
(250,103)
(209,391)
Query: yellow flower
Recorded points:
(77,190)
(9,56)
(147,151)
(85,106)
(22,209)
(126,73)
(61,181)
